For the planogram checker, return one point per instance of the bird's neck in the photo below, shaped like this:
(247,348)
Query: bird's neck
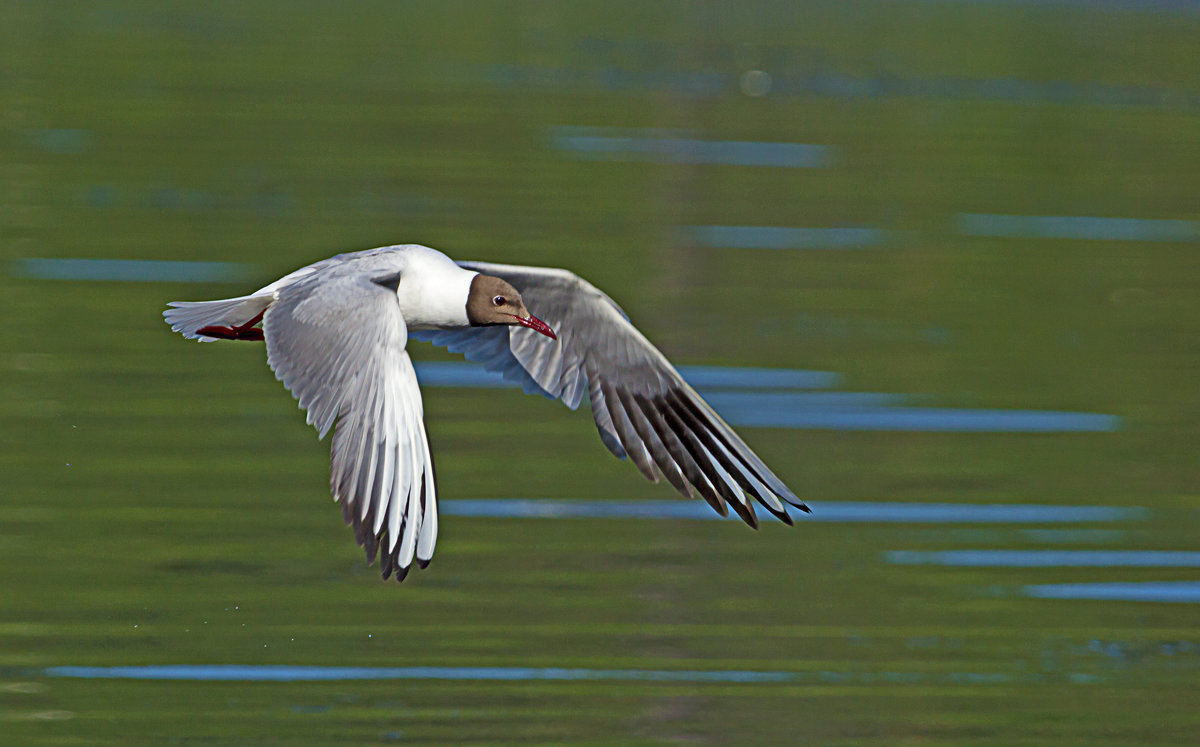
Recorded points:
(439,301)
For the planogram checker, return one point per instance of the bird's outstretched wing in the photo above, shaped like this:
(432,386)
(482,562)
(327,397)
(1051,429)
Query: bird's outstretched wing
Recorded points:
(642,406)
(336,340)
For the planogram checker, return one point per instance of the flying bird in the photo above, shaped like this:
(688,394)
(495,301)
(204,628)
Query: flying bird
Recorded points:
(335,335)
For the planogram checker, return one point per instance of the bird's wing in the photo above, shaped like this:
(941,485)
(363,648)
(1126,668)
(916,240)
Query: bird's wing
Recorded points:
(336,340)
(642,406)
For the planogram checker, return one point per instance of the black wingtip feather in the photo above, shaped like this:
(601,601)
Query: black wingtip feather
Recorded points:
(646,432)
(712,440)
(745,512)
(718,505)
(631,444)
(371,545)
(387,561)
(680,452)
(375,545)
(783,515)
(691,438)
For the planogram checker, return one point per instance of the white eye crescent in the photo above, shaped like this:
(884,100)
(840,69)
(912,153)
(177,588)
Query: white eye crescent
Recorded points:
(499,300)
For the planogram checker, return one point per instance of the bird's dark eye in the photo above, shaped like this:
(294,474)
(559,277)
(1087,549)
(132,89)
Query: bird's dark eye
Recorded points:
(499,300)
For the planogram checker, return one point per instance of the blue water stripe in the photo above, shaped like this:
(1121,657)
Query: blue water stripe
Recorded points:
(290,673)
(462,374)
(1077,227)
(273,673)
(1144,591)
(131,270)
(733,377)
(1050,558)
(933,419)
(614,144)
(830,512)
(735,401)
(778,237)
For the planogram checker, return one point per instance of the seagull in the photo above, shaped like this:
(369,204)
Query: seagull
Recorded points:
(336,332)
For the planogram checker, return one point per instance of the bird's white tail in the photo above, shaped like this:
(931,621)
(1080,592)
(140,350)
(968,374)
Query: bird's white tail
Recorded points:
(188,317)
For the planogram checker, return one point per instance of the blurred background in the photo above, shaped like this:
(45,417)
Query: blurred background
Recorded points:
(960,236)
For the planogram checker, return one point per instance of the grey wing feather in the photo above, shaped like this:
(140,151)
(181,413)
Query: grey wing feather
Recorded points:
(336,340)
(643,408)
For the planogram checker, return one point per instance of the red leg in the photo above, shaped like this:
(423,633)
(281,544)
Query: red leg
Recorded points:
(246,331)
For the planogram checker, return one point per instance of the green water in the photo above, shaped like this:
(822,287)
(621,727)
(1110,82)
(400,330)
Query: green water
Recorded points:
(163,502)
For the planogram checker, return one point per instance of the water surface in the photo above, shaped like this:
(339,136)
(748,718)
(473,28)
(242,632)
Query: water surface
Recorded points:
(935,261)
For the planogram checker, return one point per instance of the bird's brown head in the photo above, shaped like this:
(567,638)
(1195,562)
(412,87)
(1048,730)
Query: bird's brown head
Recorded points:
(492,300)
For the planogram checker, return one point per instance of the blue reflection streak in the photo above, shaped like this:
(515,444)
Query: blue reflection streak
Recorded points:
(1077,227)
(777,237)
(284,673)
(735,404)
(732,377)
(615,144)
(462,374)
(131,270)
(290,673)
(1146,591)
(1049,558)
(831,512)
(941,419)
(61,141)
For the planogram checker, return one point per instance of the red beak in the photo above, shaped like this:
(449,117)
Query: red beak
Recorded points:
(537,325)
